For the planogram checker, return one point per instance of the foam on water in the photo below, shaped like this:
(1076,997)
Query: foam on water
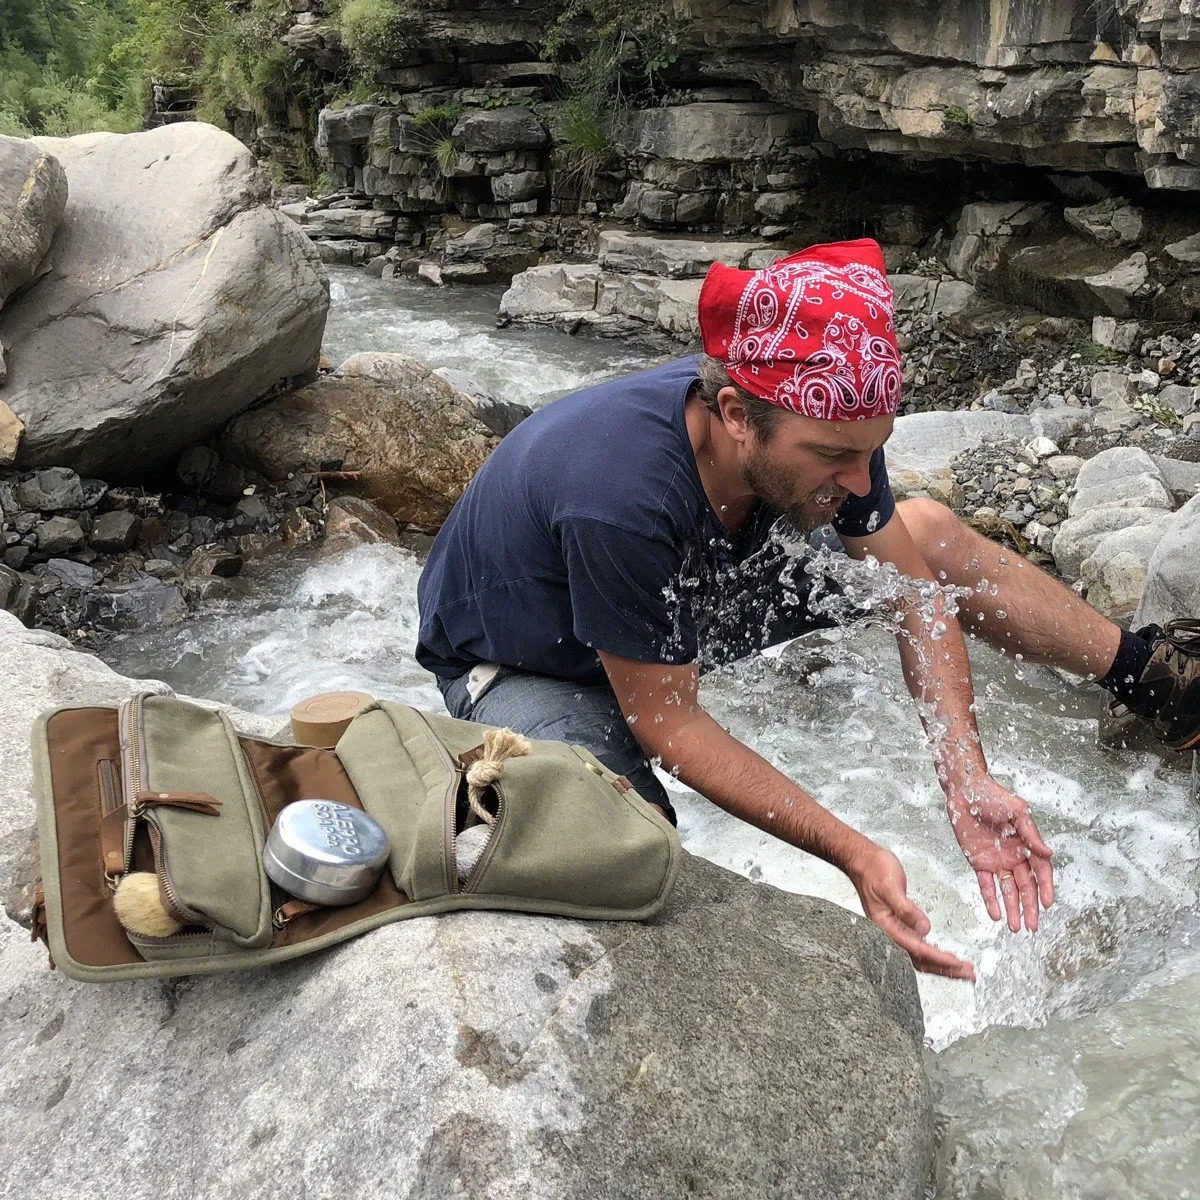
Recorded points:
(456,327)
(1125,839)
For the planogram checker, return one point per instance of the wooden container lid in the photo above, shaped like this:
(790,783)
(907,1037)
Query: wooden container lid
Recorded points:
(321,720)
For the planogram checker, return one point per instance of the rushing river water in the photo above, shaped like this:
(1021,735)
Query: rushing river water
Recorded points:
(1072,1069)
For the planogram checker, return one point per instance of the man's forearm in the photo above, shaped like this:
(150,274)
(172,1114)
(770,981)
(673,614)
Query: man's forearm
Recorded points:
(938,674)
(714,763)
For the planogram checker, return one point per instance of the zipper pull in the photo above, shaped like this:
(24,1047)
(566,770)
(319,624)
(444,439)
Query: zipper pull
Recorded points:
(200,802)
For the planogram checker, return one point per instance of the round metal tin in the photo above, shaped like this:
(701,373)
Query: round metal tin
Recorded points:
(325,852)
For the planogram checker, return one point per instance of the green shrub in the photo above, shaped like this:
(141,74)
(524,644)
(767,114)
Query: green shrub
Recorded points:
(955,114)
(377,32)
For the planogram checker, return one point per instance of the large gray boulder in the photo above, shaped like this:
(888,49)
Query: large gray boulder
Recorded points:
(747,1042)
(177,298)
(1173,576)
(33,197)
(412,440)
(923,444)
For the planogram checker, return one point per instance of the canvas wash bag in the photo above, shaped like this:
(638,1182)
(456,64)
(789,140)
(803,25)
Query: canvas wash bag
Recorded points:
(159,784)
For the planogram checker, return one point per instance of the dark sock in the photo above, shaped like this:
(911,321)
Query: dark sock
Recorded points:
(1132,656)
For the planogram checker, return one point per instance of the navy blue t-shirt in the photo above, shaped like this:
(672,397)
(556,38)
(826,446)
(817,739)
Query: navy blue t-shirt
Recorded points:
(588,529)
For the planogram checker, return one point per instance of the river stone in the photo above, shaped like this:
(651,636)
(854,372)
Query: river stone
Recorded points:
(1173,581)
(352,521)
(500,415)
(1078,536)
(58,535)
(1128,491)
(1115,571)
(178,298)
(551,289)
(11,429)
(17,597)
(1114,464)
(115,532)
(672,258)
(414,439)
(33,198)
(926,442)
(57,489)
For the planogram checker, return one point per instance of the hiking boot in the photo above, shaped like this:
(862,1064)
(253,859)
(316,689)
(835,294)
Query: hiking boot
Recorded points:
(1168,692)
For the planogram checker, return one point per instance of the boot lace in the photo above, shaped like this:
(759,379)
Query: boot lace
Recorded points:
(1183,634)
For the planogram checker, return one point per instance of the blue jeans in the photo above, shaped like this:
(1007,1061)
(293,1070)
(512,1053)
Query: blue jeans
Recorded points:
(770,606)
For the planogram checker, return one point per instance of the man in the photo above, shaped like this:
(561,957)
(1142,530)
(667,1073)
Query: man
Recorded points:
(623,537)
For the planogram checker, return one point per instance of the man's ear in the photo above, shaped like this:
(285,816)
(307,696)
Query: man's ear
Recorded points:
(733,414)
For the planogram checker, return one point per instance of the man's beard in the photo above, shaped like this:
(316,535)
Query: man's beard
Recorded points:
(778,489)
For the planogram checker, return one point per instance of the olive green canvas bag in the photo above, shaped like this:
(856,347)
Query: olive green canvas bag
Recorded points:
(163,785)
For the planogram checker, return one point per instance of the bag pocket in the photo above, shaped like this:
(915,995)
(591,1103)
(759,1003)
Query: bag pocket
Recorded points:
(188,786)
(407,780)
(571,837)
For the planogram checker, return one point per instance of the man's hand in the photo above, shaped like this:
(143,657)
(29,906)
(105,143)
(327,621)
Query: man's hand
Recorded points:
(1000,838)
(883,889)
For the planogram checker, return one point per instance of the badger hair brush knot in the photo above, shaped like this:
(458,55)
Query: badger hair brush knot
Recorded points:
(139,906)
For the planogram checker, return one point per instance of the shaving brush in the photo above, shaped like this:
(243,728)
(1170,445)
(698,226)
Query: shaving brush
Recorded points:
(139,906)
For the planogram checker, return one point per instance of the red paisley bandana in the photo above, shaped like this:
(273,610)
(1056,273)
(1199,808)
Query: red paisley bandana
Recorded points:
(813,333)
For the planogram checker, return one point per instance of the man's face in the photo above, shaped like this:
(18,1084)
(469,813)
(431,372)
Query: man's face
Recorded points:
(808,467)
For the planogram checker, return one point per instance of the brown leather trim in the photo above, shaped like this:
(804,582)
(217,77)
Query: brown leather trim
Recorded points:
(78,739)
(467,757)
(622,784)
(287,773)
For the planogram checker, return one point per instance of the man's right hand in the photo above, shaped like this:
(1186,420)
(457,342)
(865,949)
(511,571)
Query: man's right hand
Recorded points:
(882,887)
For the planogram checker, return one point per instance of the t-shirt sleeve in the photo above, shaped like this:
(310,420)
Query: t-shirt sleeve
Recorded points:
(625,596)
(861,516)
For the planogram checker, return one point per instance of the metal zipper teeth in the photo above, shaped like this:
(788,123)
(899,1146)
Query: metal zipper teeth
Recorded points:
(490,846)
(127,726)
(181,912)
(450,841)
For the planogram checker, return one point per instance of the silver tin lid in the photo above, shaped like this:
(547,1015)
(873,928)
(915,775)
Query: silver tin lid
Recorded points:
(325,852)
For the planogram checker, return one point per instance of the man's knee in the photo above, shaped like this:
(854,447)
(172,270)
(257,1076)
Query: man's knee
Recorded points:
(933,526)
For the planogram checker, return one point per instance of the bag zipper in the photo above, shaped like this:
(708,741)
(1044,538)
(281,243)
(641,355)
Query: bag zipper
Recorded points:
(457,774)
(134,772)
(490,846)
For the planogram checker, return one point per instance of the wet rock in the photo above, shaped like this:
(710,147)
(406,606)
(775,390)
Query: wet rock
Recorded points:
(57,489)
(501,416)
(58,535)
(213,560)
(115,532)
(353,521)
(413,439)
(33,198)
(17,595)
(180,296)
(135,605)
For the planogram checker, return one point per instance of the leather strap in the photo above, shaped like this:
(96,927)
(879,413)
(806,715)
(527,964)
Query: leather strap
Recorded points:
(112,844)
(291,909)
(200,802)
(469,757)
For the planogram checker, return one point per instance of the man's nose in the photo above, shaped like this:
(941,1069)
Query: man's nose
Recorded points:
(855,477)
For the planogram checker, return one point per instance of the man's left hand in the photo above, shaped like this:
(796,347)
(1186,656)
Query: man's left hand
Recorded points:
(1000,838)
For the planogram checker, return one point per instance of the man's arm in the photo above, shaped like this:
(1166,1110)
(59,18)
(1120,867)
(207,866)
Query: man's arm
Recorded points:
(995,829)
(660,704)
